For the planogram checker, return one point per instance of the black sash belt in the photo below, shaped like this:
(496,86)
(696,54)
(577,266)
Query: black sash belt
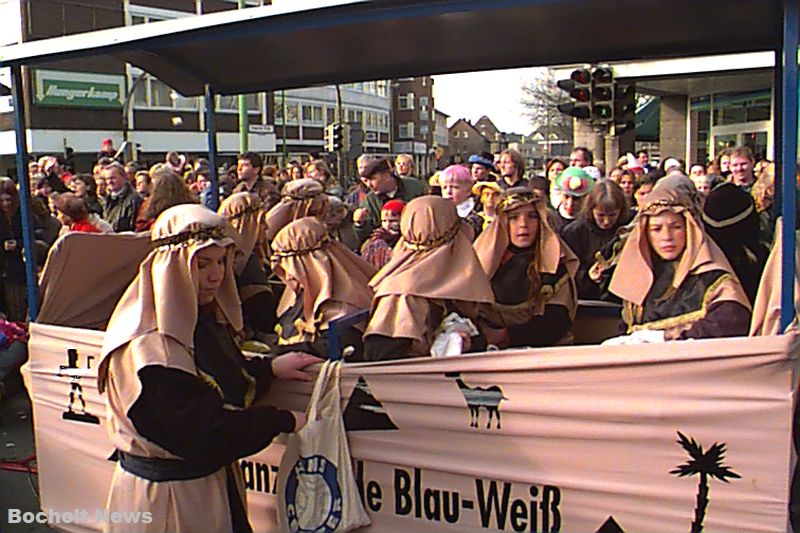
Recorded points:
(155,469)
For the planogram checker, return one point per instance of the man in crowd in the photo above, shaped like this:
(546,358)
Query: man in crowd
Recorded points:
(56,175)
(359,191)
(248,171)
(581,157)
(384,185)
(482,167)
(742,162)
(644,159)
(512,169)
(122,202)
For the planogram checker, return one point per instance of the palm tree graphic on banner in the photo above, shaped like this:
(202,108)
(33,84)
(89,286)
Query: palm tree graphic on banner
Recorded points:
(705,464)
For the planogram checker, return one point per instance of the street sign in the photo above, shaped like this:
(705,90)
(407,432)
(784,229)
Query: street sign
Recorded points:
(78,89)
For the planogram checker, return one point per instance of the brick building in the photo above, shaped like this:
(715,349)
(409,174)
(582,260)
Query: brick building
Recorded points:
(414,120)
(465,140)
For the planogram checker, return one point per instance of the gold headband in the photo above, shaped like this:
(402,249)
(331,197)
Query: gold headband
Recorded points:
(666,204)
(204,233)
(246,211)
(527,198)
(324,241)
(435,243)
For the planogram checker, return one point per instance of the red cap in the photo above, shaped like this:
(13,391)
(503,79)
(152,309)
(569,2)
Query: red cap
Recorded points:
(108,142)
(395,206)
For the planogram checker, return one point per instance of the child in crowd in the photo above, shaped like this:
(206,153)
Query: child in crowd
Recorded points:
(377,250)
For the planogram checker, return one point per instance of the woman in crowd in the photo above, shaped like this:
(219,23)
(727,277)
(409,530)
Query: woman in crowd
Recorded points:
(320,171)
(532,274)
(553,168)
(324,281)
(244,212)
(627,182)
(605,211)
(84,187)
(180,393)
(72,213)
(16,307)
(168,190)
(672,278)
(304,197)
(731,219)
(412,296)
(763,194)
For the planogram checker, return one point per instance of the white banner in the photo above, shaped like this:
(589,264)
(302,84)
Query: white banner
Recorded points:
(630,438)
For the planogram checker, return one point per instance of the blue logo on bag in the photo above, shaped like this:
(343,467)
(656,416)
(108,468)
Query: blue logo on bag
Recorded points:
(313,497)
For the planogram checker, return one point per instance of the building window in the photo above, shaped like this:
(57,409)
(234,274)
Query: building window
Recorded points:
(153,93)
(383,122)
(405,131)
(330,115)
(423,129)
(312,115)
(382,87)
(423,102)
(230,103)
(405,102)
(465,134)
(423,115)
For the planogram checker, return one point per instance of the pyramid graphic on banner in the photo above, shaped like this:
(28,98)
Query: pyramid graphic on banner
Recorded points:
(364,412)
(610,526)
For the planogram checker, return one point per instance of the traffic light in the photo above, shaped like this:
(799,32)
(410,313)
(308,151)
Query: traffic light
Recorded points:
(624,109)
(579,88)
(337,137)
(602,95)
(329,138)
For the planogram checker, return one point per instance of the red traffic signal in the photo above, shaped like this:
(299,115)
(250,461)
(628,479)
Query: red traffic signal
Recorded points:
(581,75)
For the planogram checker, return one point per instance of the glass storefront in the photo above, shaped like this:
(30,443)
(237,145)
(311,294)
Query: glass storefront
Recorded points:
(726,120)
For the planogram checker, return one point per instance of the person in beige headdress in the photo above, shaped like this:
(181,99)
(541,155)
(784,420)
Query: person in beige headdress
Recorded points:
(179,392)
(532,273)
(672,278)
(245,212)
(304,197)
(324,281)
(433,272)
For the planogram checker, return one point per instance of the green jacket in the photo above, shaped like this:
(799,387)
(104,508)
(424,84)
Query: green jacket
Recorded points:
(407,190)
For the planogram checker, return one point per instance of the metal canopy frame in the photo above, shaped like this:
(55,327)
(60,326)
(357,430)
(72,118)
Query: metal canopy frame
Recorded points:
(315,42)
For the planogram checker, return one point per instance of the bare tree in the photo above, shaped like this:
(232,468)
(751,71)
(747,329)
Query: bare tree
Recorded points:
(540,98)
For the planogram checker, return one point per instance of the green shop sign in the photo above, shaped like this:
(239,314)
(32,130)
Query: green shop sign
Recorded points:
(78,89)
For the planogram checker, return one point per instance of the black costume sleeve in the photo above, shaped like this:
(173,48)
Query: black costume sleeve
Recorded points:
(723,319)
(383,348)
(186,417)
(542,330)
(260,369)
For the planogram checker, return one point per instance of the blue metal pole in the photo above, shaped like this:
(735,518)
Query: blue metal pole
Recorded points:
(211,129)
(31,280)
(788,59)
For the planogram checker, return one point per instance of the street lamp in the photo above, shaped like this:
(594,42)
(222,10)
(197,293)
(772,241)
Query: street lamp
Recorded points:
(126,104)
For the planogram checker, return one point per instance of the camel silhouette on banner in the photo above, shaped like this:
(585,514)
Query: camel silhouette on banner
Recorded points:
(487,397)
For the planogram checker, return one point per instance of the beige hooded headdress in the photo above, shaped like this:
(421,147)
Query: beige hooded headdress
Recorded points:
(492,243)
(300,198)
(327,271)
(245,212)
(163,296)
(433,260)
(633,277)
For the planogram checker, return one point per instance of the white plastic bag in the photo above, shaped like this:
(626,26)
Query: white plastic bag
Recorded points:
(642,336)
(448,339)
(316,486)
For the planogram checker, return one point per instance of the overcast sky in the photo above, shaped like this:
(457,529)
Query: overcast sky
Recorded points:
(493,93)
